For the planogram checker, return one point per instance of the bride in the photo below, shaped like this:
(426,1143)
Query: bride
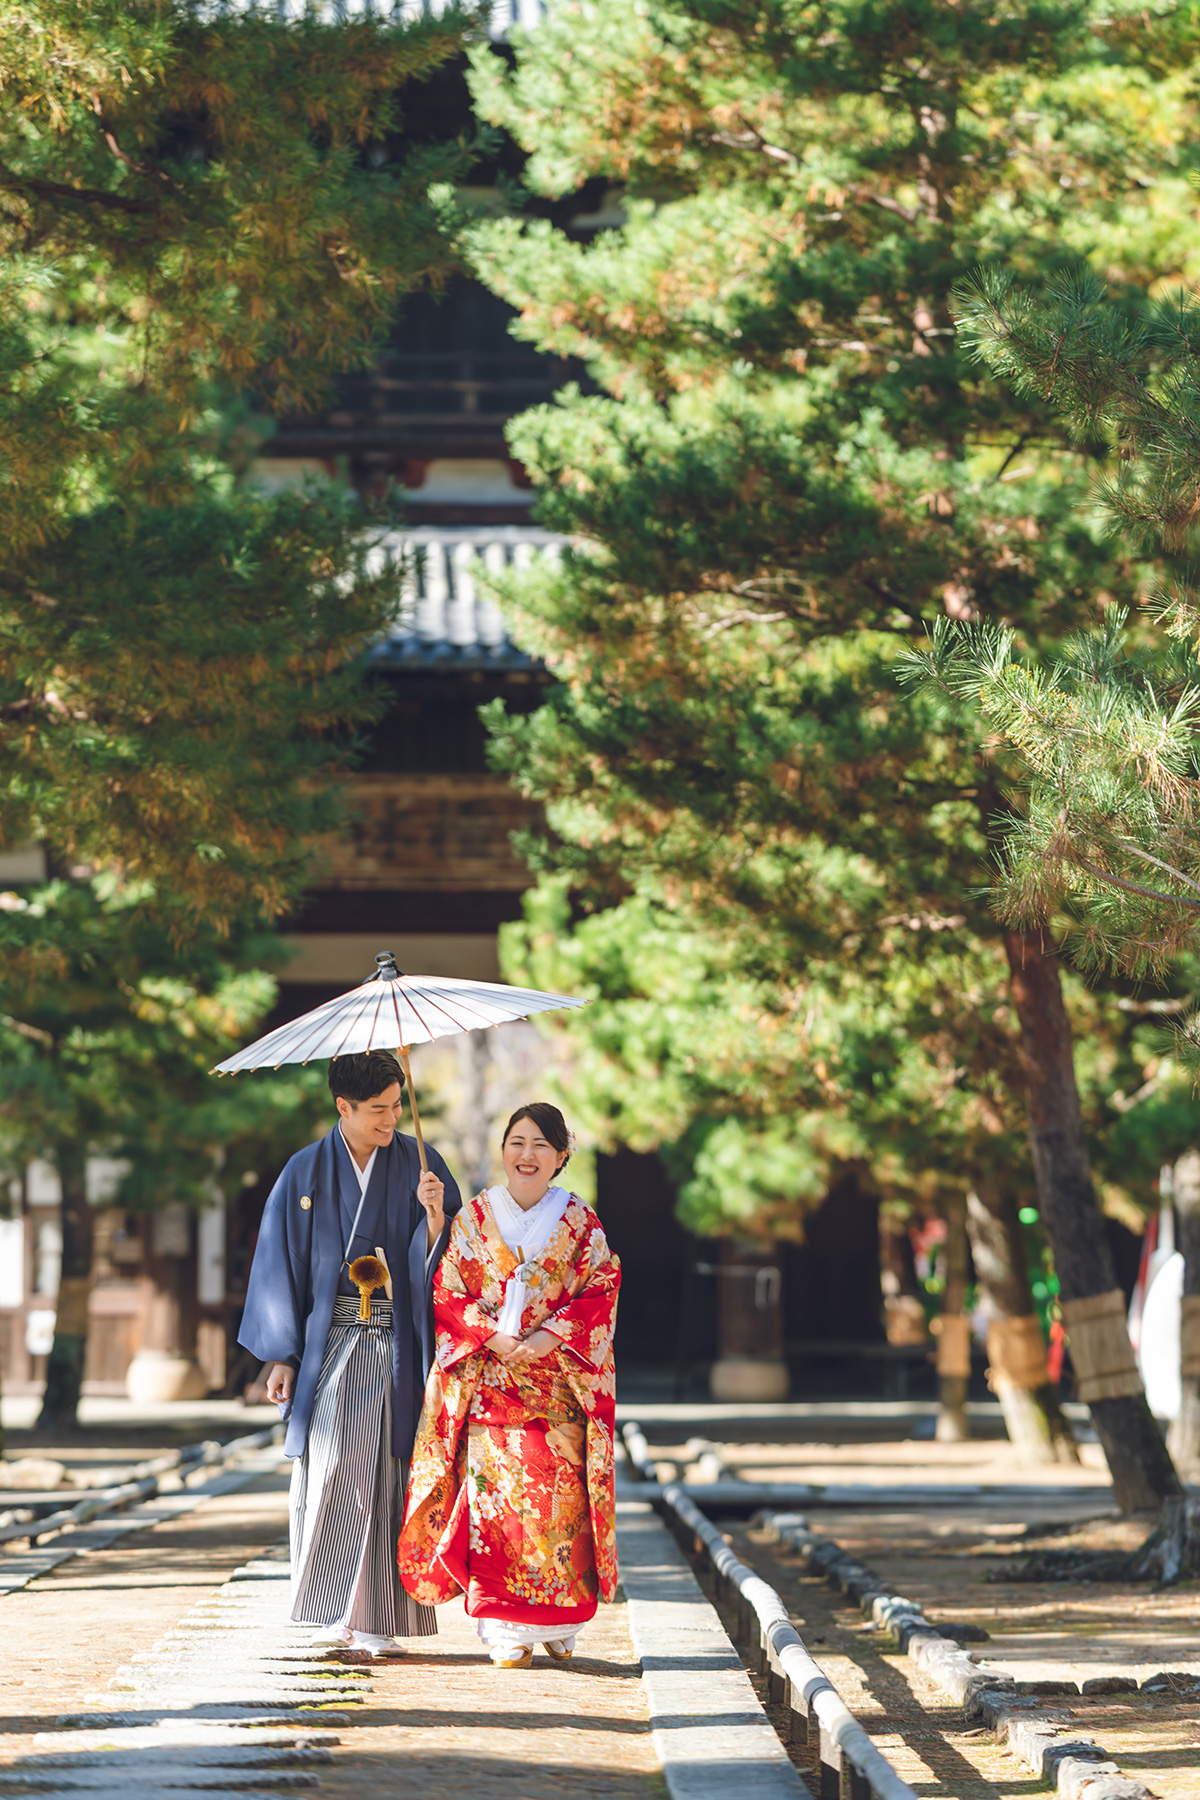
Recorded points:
(510,1494)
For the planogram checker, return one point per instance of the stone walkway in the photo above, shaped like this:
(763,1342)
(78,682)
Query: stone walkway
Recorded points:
(166,1661)
(236,1699)
(163,1660)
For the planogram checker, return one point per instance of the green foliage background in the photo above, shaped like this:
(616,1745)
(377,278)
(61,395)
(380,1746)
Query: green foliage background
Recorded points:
(205,217)
(772,861)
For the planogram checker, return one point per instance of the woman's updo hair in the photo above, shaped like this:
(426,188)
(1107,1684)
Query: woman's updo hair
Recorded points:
(549,1122)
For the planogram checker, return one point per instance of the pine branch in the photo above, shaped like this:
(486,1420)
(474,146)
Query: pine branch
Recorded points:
(110,139)
(60,190)
(1132,887)
(1145,856)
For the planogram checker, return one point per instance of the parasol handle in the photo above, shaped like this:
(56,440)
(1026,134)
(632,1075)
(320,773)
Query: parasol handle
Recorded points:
(402,1053)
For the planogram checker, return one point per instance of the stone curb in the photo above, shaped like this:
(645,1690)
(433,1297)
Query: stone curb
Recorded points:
(738,1495)
(1077,1767)
(19,1567)
(710,1732)
(847,1763)
(847,1759)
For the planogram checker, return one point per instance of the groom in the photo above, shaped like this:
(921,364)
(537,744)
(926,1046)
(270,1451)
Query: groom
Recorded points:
(351,1388)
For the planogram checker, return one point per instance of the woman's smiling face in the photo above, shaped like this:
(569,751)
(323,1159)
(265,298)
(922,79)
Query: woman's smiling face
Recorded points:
(530,1162)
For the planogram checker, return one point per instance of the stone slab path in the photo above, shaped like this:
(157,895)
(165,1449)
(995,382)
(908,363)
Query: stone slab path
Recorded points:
(710,1731)
(164,1661)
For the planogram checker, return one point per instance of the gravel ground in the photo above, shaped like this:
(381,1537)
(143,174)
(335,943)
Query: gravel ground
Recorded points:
(1067,1631)
(942,1557)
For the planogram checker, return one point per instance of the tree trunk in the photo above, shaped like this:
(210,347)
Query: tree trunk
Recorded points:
(1142,1472)
(1184,1437)
(1172,1551)
(64,1368)
(903,1310)
(953,1426)
(1033,1416)
(474,1132)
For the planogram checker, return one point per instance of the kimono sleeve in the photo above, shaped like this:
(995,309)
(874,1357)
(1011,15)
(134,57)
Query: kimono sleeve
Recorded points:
(585,1322)
(272,1326)
(451,1207)
(464,1324)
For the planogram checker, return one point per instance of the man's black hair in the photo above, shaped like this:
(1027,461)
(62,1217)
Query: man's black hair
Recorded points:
(362,1076)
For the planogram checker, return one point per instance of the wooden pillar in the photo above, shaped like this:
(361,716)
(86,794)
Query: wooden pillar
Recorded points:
(165,1367)
(751,1363)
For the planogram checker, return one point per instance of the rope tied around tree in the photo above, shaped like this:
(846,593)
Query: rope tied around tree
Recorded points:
(1105,1365)
(1017,1353)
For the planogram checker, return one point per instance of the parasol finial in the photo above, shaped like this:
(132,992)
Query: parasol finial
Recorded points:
(385,967)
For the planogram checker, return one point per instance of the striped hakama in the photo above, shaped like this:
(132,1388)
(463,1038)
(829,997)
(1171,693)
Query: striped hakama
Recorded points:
(347,1495)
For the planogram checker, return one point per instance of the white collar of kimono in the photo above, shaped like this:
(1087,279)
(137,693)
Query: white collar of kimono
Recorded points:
(526,1230)
(364,1175)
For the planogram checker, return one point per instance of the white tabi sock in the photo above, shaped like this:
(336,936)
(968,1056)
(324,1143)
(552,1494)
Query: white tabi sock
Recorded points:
(376,1646)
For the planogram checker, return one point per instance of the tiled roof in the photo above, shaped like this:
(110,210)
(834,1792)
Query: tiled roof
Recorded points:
(505,13)
(446,622)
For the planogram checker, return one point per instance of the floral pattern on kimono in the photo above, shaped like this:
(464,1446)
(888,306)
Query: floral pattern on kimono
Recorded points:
(510,1493)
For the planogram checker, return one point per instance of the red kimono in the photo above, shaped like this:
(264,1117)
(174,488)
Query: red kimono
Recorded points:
(510,1494)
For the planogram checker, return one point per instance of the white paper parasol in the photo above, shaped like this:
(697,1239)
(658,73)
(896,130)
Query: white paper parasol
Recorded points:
(393,1011)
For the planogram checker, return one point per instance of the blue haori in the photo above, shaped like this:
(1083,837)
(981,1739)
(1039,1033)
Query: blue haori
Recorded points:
(299,1270)
(358,1388)
(347,1495)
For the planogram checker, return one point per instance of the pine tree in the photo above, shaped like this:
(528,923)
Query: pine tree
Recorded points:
(763,1085)
(1106,731)
(110,1020)
(205,216)
(191,208)
(1103,847)
(795,469)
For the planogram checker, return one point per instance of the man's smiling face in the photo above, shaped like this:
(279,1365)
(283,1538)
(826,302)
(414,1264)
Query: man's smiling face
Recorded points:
(371,1124)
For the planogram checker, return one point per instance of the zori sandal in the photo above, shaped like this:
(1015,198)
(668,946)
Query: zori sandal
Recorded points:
(512,1656)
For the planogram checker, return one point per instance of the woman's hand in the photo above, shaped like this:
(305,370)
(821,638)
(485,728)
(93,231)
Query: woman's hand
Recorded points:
(431,1194)
(279,1383)
(502,1345)
(532,1348)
